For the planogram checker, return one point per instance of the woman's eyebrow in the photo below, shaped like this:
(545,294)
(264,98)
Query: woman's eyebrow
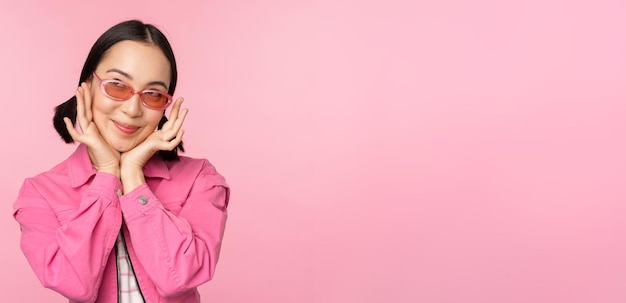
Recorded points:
(115,70)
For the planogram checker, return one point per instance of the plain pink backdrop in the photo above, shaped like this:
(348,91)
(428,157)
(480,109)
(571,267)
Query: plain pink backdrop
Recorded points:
(378,151)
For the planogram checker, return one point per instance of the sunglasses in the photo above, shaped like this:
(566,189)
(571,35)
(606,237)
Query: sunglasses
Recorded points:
(120,91)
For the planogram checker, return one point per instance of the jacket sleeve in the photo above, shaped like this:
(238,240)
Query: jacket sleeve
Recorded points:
(178,252)
(70,257)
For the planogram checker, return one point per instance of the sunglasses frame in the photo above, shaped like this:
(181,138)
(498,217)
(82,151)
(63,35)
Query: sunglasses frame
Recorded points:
(132,93)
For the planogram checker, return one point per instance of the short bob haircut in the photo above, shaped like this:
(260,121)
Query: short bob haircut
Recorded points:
(133,30)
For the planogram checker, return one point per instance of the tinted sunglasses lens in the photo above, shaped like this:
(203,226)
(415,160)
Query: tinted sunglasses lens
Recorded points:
(117,90)
(155,99)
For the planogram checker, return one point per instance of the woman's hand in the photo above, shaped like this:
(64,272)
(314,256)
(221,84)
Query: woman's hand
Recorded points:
(166,138)
(103,157)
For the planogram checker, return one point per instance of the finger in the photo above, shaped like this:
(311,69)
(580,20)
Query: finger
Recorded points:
(175,110)
(170,145)
(80,110)
(70,128)
(175,126)
(178,123)
(87,97)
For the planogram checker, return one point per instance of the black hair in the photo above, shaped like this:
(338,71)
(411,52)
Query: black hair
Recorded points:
(133,30)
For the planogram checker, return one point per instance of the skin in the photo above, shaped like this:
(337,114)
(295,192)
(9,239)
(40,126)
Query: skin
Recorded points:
(102,121)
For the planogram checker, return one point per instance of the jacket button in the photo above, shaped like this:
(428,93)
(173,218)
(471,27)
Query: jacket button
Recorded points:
(143,200)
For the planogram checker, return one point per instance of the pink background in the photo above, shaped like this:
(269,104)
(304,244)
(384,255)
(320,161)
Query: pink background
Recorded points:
(378,151)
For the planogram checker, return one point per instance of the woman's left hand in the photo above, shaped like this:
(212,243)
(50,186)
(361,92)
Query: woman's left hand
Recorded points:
(166,138)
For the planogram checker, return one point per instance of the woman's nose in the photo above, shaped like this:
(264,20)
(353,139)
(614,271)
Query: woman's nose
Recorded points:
(133,107)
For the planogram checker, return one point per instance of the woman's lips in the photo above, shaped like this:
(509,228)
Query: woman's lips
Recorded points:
(125,128)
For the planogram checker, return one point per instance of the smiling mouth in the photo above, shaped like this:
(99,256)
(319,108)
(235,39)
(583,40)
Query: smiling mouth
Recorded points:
(125,128)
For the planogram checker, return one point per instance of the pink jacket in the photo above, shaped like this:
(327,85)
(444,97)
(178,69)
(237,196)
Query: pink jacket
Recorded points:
(71,215)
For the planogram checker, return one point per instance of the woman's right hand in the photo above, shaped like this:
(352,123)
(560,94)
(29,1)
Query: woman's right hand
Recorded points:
(103,157)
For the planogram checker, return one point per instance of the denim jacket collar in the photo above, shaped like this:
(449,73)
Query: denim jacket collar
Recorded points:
(81,169)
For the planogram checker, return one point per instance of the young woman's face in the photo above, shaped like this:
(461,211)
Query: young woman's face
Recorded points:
(125,124)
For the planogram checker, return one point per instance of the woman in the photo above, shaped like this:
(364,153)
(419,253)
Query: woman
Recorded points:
(124,218)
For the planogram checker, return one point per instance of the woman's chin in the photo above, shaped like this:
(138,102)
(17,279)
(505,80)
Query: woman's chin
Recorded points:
(121,147)
(123,143)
